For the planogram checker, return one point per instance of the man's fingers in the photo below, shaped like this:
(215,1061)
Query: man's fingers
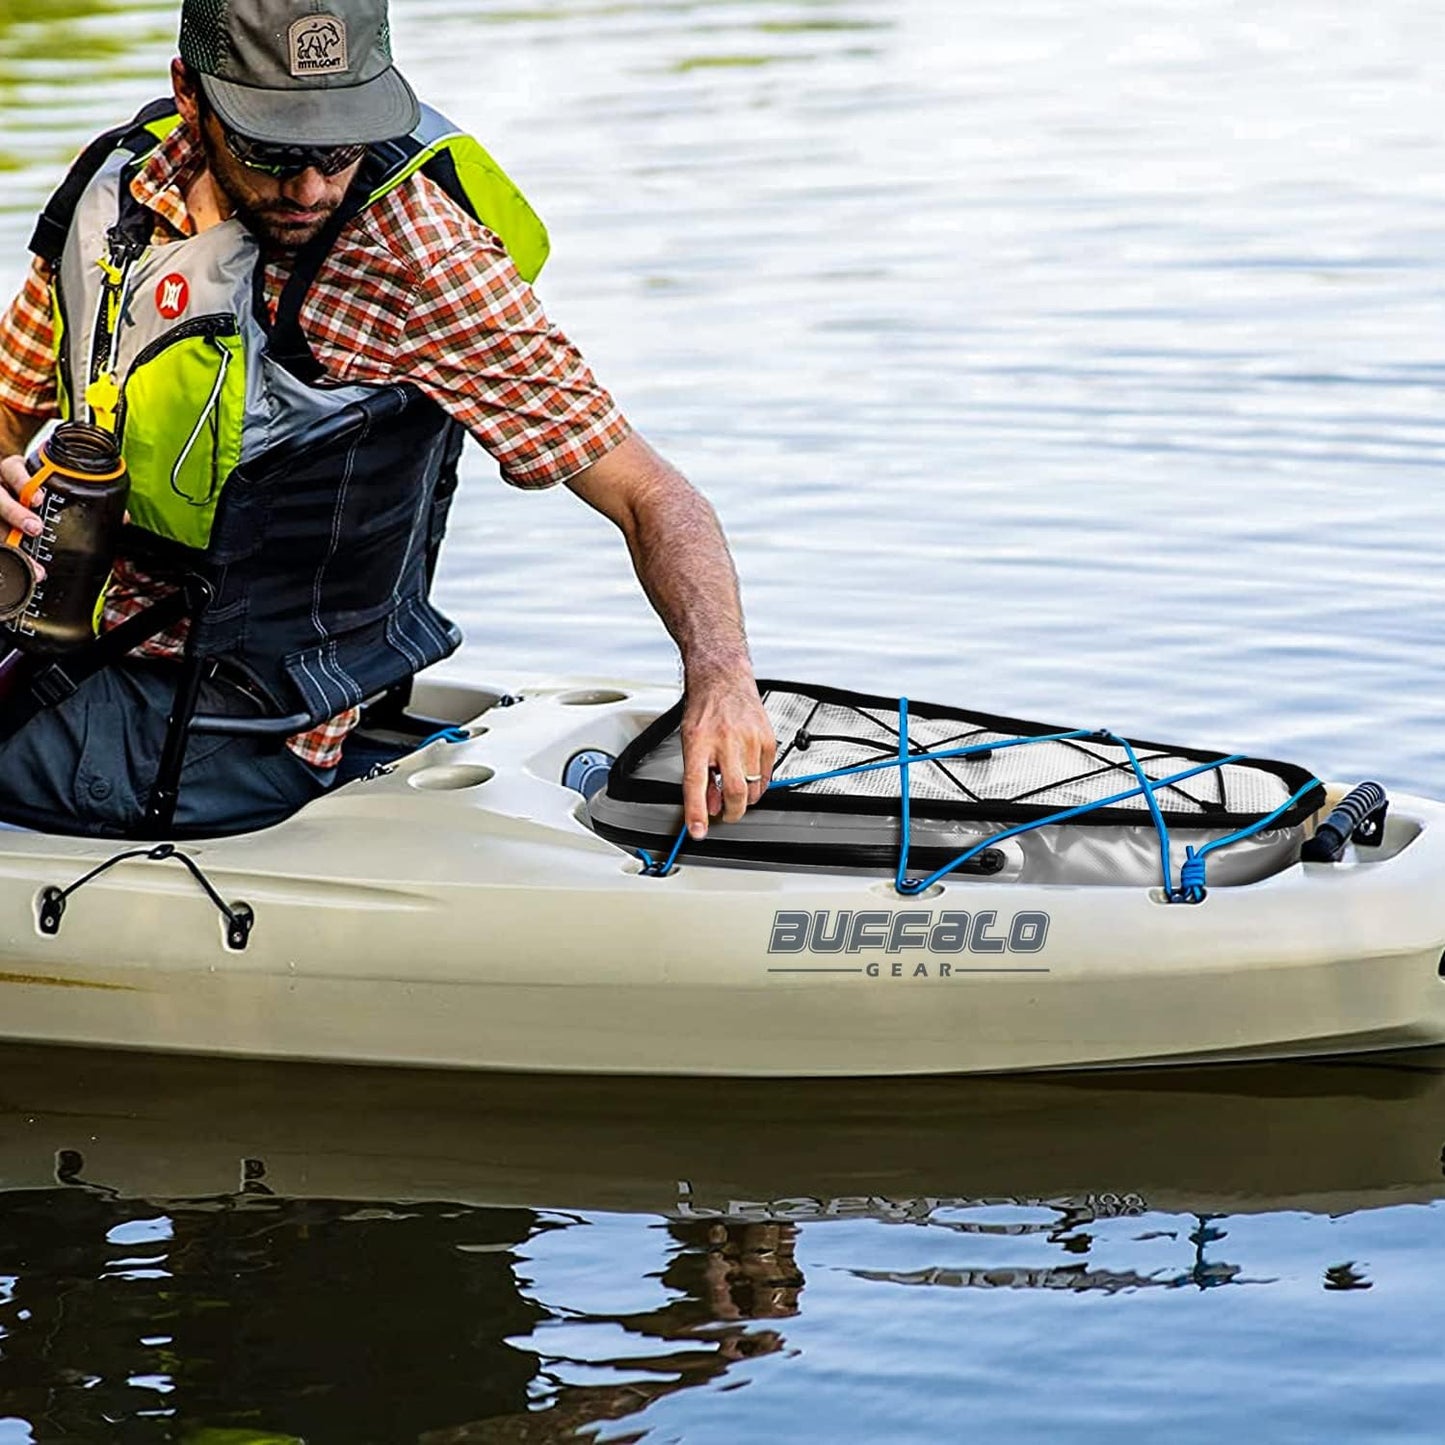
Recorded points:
(711,791)
(762,770)
(756,778)
(734,789)
(728,751)
(14,515)
(695,788)
(14,475)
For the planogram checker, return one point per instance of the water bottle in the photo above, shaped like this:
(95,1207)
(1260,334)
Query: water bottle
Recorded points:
(82,512)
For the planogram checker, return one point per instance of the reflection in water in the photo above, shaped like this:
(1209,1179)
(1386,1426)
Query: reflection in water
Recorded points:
(341,1322)
(332,1321)
(723,1276)
(1202,1273)
(395,1256)
(49,51)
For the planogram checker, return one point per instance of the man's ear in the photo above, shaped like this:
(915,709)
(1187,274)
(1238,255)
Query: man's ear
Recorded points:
(187,93)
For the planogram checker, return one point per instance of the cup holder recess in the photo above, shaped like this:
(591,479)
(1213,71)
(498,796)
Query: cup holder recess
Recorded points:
(451,777)
(591,697)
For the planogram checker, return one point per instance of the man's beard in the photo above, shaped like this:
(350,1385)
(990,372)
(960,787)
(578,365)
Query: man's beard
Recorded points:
(266,220)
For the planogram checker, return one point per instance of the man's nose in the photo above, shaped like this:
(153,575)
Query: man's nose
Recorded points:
(308,189)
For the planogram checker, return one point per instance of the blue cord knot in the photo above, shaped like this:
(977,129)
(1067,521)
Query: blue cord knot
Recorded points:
(651,867)
(1191,878)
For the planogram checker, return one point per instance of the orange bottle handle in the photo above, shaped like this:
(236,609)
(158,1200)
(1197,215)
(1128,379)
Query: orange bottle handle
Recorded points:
(27,495)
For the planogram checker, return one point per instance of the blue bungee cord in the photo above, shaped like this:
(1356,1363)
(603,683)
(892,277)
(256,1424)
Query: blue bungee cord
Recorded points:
(1191,888)
(905,773)
(921,885)
(939,757)
(1191,871)
(652,868)
(445,735)
(1166,861)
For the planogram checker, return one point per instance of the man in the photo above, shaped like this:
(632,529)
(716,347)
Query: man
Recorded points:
(227,281)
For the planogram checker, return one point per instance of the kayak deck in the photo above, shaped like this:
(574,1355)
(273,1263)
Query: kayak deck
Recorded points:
(457,911)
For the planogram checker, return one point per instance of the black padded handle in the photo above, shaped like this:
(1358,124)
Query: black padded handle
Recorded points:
(1361,811)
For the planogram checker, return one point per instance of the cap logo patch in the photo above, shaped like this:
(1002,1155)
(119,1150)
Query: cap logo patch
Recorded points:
(317,44)
(172,296)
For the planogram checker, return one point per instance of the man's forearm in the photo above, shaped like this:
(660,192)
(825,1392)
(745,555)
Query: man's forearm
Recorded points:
(683,564)
(681,559)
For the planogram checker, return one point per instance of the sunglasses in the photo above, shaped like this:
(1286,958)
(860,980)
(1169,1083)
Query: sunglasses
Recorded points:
(283,162)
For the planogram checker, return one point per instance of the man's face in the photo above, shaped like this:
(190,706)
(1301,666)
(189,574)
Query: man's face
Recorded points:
(283,214)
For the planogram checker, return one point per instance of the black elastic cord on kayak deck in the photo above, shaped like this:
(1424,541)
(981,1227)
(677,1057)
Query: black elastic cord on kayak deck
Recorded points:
(240,918)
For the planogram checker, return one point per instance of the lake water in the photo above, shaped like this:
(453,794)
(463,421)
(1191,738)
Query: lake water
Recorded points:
(1071,361)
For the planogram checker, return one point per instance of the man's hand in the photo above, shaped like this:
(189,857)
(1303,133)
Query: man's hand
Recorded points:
(13,513)
(727,750)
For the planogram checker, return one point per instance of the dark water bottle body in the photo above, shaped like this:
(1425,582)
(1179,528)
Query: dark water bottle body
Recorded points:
(85,487)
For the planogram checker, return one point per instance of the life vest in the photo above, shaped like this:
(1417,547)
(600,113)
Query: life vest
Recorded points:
(313,510)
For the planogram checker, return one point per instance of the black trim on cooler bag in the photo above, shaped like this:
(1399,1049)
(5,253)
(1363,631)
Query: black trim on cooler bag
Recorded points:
(718,844)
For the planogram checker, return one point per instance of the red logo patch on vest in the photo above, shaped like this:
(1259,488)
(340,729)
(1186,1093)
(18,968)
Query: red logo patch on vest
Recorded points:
(172,296)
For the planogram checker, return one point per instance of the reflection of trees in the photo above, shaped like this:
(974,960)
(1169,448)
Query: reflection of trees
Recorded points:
(726,1275)
(317,1318)
(132,1320)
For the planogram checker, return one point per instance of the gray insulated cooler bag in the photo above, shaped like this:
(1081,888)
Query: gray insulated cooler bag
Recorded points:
(854,821)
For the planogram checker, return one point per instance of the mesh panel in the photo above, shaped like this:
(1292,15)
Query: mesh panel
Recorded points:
(203,34)
(1052,775)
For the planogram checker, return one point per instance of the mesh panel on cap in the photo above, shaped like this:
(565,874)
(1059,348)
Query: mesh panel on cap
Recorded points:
(203,34)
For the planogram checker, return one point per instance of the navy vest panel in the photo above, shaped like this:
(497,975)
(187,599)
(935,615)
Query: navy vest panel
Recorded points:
(320,556)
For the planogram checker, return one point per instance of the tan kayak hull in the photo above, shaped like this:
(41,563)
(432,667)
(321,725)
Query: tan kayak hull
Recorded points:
(457,912)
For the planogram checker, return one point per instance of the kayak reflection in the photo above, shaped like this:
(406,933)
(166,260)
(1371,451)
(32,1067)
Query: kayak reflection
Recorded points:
(1326,1136)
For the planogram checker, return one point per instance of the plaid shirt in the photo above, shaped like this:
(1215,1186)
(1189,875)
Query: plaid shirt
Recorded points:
(414,290)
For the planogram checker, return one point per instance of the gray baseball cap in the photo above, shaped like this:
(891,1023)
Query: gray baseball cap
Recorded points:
(299,72)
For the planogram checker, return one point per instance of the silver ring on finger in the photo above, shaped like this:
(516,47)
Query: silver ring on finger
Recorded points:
(752,777)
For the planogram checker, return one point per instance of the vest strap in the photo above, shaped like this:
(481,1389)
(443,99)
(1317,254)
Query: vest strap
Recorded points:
(288,346)
(387,164)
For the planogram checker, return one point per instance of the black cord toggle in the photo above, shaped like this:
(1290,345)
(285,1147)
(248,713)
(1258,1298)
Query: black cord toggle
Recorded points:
(240,917)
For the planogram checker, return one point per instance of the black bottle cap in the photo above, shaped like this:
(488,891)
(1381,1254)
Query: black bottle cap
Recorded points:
(17,582)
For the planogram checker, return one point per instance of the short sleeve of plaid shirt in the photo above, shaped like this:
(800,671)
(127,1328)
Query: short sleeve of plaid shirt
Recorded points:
(27,366)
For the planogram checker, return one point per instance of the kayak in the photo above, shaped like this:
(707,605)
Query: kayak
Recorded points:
(458,908)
